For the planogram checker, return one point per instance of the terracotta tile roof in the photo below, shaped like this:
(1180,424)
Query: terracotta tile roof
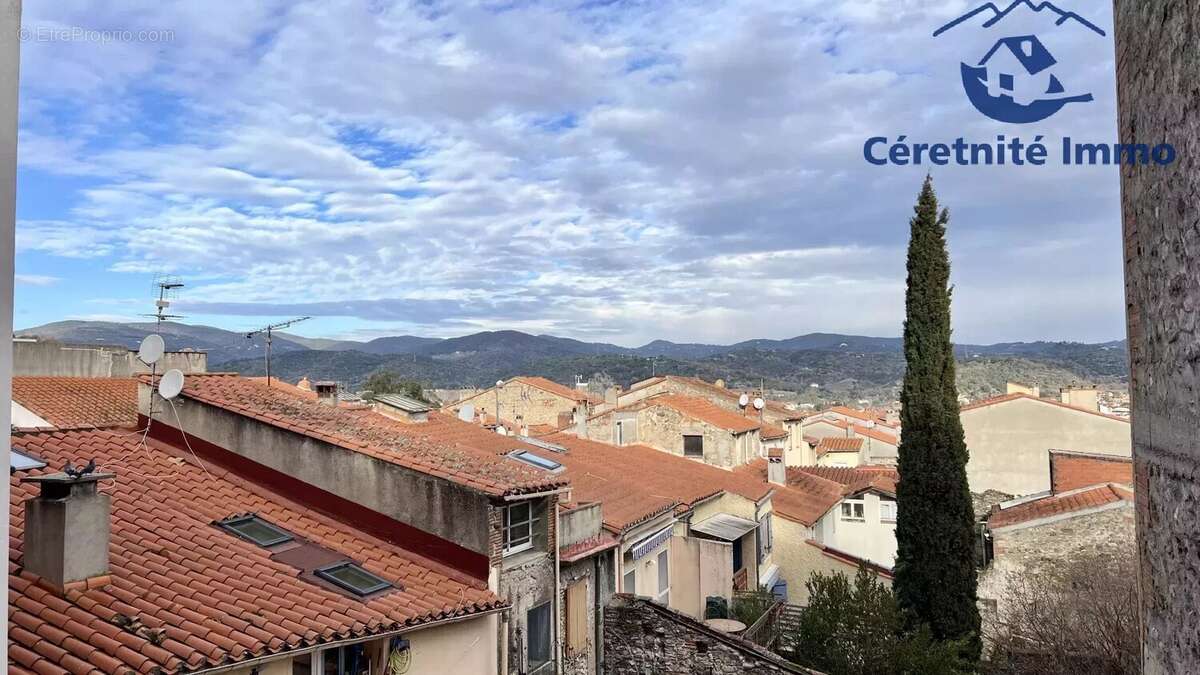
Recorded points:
(1060,504)
(849,559)
(869,432)
(857,479)
(1071,470)
(770,432)
(804,499)
(363,430)
(838,444)
(864,415)
(731,395)
(553,387)
(705,411)
(214,598)
(592,545)
(79,402)
(1048,401)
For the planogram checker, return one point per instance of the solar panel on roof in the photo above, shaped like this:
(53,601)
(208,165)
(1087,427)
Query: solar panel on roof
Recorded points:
(22,462)
(256,530)
(353,578)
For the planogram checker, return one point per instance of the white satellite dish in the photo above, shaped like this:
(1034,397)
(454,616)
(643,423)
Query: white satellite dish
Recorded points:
(502,431)
(171,383)
(759,403)
(743,400)
(467,413)
(152,349)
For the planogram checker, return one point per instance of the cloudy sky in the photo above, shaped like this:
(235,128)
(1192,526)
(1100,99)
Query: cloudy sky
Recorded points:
(621,171)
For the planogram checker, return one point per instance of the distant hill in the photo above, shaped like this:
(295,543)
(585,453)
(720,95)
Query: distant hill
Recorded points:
(844,367)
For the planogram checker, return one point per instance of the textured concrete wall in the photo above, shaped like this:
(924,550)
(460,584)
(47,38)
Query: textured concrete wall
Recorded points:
(1158,68)
(1010,442)
(60,360)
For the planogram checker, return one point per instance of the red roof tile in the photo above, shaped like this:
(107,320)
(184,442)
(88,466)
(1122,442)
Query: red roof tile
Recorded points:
(1060,504)
(883,435)
(79,402)
(363,430)
(197,595)
(770,432)
(729,395)
(553,387)
(704,411)
(863,415)
(1071,470)
(804,499)
(838,444)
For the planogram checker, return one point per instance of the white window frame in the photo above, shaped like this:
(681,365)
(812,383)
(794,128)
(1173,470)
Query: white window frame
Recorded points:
(507,514)
(854,505)
(663,561)
(884,507)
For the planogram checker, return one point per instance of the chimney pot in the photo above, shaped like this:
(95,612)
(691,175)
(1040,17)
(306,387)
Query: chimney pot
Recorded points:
(776,471)
(67,528)
(326,392)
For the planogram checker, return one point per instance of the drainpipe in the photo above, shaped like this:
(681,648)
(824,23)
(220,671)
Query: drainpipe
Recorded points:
(558,661)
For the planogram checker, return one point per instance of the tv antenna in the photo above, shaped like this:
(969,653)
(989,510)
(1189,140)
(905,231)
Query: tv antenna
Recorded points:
(268,330)
(168,287)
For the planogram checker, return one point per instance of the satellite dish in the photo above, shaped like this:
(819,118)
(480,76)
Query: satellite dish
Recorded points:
(759,403)
(170,384)
(743,400)
(152,349)
(501,430)
(467,413)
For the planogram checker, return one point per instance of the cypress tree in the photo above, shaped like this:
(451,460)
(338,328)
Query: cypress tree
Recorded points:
(935,563)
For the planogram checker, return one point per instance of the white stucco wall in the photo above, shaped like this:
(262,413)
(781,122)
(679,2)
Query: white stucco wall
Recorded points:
(871,538)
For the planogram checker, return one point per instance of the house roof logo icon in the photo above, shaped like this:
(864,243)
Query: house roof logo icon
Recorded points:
(1016,80)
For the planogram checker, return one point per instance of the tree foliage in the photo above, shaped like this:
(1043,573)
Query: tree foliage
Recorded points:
(855,628)
(388,382)
(935,580)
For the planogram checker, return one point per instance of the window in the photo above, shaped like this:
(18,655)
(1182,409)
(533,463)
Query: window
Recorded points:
(629,582)
(619,433)
(536,460)
(577,617)
(764,537)
(537,644)
(1006,82)
(255,529)
(693,446)
(853,511)
(353,578)
(887,511)
(518,527)
(664,578)
(737,556)
(19,461)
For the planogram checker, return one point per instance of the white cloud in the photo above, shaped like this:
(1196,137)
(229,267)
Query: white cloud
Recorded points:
(36,279)
(680,170)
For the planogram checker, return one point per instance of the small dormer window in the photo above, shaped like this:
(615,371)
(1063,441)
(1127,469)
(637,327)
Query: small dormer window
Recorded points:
(853,510)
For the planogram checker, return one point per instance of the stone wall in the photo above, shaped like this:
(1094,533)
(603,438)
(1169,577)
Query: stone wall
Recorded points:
(1158,101)
(641,637)
(55,359)
(532,405)
(1042,551)
(527,580)
(581,662)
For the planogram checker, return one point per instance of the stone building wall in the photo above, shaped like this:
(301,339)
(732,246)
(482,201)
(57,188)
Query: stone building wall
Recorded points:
(533,405)
(1158,101)
(582,662)
(641,637)
(1042,551)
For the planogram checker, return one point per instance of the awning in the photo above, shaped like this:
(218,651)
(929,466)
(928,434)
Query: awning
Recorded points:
(645,546)
(725,527)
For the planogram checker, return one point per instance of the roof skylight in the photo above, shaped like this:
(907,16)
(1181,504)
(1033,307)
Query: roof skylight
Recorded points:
(256,530)
(535,460)
(352,577)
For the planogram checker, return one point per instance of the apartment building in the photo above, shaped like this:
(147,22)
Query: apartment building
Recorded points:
(1009,439)
(878,442)
(485,515)
(167,562)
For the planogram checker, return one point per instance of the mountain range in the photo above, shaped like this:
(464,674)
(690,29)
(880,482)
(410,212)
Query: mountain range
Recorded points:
(844,367)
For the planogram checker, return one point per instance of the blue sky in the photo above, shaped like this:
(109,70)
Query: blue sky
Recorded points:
(618,171)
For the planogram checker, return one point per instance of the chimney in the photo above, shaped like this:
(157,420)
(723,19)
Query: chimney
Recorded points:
(304,384)
(776,471)
(326,392)
(67,528)
(579,417)
(612,395)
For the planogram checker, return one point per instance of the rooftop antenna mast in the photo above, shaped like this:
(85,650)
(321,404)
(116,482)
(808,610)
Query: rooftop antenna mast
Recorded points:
(167,287)
(268,330)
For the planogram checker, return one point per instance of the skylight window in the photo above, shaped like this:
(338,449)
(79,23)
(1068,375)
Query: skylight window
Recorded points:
(353,578)
(256,530)
(19,461)
(536,460)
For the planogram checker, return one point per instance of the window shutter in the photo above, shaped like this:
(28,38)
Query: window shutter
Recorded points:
(577,616)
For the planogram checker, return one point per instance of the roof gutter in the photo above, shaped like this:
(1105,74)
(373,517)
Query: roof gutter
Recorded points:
(534,495)
(229,667)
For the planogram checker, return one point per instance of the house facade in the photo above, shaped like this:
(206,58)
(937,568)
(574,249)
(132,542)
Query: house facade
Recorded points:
(528,402)
(681,425)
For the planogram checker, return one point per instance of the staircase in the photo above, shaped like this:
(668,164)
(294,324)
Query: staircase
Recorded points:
(787,623)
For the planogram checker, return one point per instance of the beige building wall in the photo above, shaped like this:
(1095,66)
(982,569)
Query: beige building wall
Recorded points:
(467,647)
(840,459)
(533,405)
(1009,442)
(871,538)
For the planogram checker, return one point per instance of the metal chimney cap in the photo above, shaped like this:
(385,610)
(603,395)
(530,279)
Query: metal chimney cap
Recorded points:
(61,478)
